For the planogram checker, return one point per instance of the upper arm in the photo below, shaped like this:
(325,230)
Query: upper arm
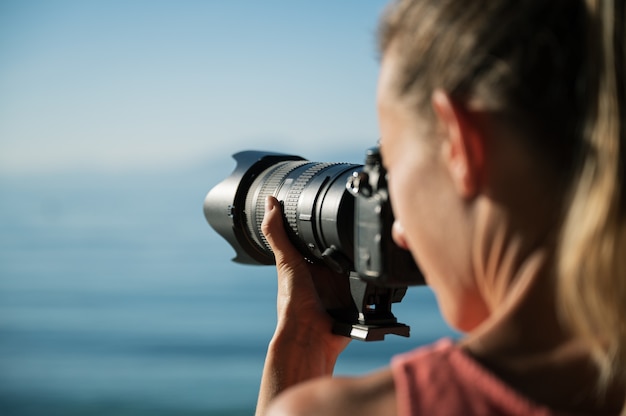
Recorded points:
(370,395)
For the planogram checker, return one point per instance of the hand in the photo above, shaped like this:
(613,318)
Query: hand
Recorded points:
(303,346)
(305,291)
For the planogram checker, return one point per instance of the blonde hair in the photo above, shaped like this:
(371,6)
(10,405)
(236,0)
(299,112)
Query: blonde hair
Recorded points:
(592,258)
(556,70)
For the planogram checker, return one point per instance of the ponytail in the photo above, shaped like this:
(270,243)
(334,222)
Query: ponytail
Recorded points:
(592,258)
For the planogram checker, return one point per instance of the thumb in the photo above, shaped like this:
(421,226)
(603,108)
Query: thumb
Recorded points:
(274,231)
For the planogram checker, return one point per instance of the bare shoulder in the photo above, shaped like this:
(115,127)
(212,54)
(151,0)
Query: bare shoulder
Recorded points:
(373,394)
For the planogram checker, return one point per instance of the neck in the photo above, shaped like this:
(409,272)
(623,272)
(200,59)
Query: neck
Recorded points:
(525,344)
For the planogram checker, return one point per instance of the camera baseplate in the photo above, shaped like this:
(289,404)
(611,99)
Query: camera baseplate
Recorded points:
(371,319)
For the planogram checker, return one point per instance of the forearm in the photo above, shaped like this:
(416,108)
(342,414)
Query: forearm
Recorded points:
(303,346)
(292,359)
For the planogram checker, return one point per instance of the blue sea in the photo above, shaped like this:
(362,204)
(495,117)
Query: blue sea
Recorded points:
(117,298)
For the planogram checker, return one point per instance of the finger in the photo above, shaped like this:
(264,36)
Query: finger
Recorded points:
(398,234)
(274,231)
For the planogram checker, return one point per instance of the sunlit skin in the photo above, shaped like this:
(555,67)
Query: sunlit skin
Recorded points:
(427,207)
(473,207)
(477,209)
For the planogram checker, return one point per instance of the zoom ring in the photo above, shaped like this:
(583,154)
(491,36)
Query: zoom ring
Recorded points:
(291,200)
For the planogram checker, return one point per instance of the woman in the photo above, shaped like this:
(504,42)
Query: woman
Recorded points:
(502,126)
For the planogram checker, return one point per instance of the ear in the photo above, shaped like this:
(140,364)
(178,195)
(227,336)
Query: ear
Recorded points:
(464,143)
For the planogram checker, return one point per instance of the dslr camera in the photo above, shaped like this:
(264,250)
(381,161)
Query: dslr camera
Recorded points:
(338,214)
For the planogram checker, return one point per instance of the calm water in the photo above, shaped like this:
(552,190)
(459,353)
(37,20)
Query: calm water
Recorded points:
(117,298)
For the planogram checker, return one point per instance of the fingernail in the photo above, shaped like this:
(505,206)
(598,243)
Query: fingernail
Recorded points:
(269,204)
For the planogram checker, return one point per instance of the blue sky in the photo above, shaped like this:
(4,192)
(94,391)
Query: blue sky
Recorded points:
(154,84)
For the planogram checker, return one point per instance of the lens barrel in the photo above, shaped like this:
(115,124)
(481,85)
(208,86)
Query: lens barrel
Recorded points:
(318,210)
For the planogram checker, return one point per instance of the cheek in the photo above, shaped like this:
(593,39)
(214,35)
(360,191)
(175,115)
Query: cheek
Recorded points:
(407,199)
(426,214)
(421,217)
(411,216)
(399,194)
(416,196)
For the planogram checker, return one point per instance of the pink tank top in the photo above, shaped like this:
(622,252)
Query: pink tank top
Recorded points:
(440,379)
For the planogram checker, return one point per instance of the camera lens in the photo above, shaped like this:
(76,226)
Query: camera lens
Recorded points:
(318,210)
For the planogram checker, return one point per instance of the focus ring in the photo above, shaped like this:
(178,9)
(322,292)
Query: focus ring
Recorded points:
(255,206)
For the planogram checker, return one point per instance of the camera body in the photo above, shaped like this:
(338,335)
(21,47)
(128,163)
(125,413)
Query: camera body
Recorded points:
(378,259)
(336,213)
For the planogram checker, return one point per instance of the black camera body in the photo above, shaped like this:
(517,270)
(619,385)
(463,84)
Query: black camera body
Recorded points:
(336,213)
(378,259)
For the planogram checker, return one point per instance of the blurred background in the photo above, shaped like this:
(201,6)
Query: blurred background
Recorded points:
(116,118)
